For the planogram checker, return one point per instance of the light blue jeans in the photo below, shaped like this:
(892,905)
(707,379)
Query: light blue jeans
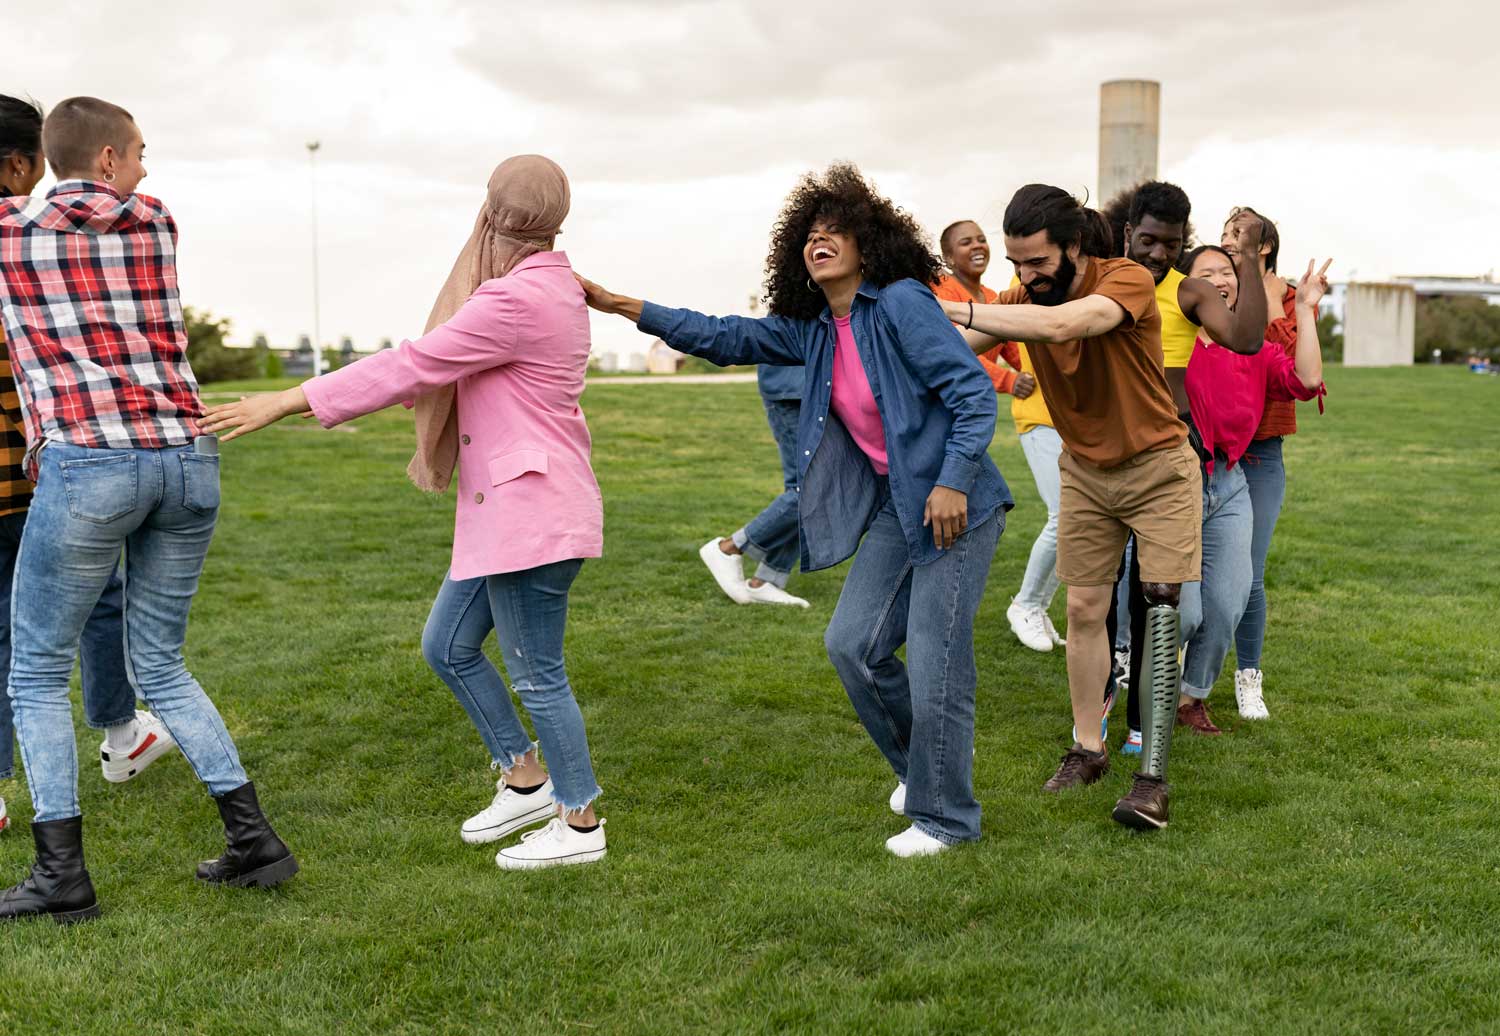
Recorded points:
(158,507)
(1042,446)
(921,714)
(528,611)
(772,537)
(1211,609)
(1266,476)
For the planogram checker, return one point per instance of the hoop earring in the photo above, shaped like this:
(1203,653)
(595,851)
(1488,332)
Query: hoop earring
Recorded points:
(109,177)
(812,287)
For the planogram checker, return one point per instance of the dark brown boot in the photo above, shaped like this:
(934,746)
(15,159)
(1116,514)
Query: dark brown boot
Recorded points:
(1144,807)
(1079,766)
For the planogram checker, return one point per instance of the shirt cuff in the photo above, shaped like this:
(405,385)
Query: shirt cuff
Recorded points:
(654,319)
(958,474)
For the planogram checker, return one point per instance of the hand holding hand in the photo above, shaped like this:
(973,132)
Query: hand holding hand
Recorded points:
(1313,286)
(1025,385)
(947,511)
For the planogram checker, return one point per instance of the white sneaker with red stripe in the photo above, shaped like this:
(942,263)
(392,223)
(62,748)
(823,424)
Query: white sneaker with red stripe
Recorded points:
(4,816)
(151,743)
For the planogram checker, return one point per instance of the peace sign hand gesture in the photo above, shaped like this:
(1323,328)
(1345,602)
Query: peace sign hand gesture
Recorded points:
(1313,286)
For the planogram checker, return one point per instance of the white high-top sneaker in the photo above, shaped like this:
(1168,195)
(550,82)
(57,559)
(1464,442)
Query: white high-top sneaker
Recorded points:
(151,743)
(1248,694)
(556,845)
(510,811)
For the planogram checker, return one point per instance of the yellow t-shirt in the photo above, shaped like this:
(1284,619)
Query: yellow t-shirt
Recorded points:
(1178,333)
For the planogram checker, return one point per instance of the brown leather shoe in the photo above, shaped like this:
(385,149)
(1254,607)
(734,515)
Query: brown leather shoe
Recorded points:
(1194,713)
(1079,766)
(1144,807)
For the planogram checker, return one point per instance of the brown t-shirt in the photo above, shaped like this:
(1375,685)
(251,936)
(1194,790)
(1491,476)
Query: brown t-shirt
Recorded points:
(1108,394)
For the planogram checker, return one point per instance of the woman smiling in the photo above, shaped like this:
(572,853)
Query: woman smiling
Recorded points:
(896,417)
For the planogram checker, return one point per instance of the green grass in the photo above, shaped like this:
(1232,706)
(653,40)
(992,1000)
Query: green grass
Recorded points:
(1333,870)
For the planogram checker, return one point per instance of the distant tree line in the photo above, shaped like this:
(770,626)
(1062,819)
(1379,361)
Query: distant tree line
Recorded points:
(1457,326)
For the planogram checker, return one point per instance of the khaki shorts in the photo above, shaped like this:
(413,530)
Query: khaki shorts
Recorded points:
(1158,495)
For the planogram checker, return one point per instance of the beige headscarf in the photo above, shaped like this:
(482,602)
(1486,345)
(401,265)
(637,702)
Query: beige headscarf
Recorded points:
(525,206)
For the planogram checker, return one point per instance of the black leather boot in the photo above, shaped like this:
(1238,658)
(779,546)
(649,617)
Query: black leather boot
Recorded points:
(59,886)
(253,857)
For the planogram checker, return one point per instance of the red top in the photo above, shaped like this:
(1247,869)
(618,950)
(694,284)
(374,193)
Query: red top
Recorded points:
(88,285)
(1281,417)
(1228,393)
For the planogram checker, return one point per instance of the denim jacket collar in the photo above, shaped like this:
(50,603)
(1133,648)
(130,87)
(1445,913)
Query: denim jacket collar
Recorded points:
(867,289)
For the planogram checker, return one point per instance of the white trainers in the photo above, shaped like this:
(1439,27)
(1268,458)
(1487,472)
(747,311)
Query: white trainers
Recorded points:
(1248,694)
(770,593)
(912,842)
(510,811)
(727,571)
(1026,624)
(1051,631)
(151,743)
(898,800)
(4,816)
(555,845)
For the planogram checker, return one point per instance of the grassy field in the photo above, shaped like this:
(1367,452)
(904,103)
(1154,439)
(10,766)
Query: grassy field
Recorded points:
(1332,870)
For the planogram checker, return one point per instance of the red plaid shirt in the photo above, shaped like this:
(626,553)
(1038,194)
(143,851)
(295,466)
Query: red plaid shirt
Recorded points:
(88,291)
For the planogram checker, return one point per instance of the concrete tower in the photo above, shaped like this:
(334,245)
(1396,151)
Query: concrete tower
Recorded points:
(1129,123)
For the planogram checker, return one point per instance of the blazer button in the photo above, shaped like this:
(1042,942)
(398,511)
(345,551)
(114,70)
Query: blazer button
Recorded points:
(479,498)
(464,439)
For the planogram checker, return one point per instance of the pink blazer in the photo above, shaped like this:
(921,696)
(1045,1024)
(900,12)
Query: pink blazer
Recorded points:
(517,351)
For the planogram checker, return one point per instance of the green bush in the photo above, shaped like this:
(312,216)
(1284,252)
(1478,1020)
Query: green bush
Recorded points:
(209,357)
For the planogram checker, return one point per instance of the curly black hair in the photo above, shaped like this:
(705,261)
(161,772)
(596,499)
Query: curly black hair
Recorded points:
(1166,201)
(892,243)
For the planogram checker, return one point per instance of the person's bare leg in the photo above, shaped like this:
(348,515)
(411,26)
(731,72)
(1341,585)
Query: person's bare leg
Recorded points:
(1088,658)
(529,772)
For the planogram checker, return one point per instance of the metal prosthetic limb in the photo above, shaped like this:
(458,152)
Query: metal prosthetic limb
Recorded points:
(1163,683)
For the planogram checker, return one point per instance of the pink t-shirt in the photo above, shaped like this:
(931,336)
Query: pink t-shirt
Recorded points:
(1227,393)
(853,401)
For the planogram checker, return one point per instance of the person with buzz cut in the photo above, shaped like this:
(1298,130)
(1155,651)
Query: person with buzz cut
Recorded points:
(88,288)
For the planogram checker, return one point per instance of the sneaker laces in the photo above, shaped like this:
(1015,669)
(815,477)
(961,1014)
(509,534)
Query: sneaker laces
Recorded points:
(553,830)
(1072,762)
(1141,789)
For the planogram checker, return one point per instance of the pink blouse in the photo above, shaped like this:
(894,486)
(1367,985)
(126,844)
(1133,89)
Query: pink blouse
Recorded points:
(1227,393)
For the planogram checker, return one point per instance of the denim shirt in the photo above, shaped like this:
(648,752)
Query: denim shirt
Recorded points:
(779,383)
(936,403)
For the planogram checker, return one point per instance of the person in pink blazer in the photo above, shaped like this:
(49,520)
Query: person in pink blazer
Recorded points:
(495,384)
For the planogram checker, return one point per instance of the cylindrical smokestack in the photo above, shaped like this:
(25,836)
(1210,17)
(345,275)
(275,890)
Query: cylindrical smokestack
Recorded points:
(1129,121)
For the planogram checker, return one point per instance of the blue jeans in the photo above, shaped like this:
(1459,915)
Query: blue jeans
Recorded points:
(158,507)
(528,611)
(771,536)
(1042,446)
(921,714)
(108,698)
(1266,476)
(1211,609)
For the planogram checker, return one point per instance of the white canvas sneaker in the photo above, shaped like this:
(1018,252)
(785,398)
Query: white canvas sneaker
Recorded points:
(1026,624)
(770,593)
(1248,694)
(898,800)
(912,842)
(151,743)
(1051,631)
(727,571)
(556,845)
(510,811)
(4,816)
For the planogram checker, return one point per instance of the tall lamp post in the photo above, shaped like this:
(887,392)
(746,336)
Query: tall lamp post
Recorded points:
(312,158)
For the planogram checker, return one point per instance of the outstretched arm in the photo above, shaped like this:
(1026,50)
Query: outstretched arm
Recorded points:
(720,340)
(1038,325)
(1243,328)
(251,413)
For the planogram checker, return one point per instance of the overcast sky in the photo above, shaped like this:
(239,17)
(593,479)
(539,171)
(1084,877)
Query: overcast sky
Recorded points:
(1366,129)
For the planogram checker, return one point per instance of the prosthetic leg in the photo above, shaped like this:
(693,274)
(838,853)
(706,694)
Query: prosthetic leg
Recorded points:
(1144,808)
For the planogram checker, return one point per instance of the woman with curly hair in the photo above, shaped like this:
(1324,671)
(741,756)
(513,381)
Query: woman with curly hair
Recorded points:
(896,417)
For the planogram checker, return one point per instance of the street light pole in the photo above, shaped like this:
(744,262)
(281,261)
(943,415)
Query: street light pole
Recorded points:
(312,158)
